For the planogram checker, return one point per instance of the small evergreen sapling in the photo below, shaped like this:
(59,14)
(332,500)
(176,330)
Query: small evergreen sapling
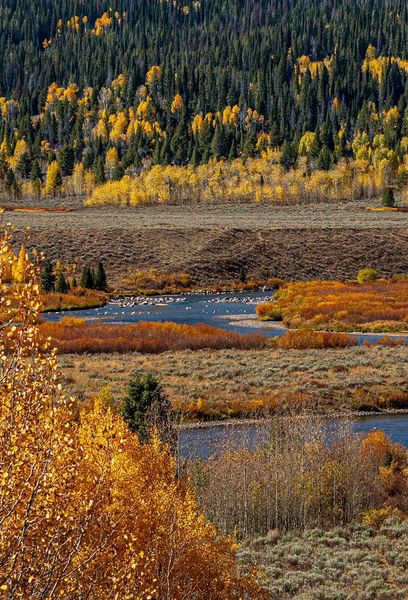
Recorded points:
(146,406)
(388,199)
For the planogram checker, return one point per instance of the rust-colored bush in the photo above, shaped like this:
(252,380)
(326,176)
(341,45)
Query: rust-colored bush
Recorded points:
(77,298)
(153,280)
(148,337)
(303,339)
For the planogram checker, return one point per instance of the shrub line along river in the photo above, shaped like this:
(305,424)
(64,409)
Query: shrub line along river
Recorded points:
(232,311)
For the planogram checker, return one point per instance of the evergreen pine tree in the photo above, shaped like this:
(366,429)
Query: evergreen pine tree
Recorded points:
(218,142)
(100,277)
(324,161)
(288,156)
(388,199)
(24,165)
(87,280)
(118,172)
(249,145)
(156,153)
(61,286)
(165,154)
(196,156)
(36,174)
(99,170)
(232,151)
(179,142)
(66,160)
(47,276)
(10,182)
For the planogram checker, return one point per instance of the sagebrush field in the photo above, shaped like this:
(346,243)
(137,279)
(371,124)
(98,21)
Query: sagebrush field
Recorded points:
(231,382)
(211,245)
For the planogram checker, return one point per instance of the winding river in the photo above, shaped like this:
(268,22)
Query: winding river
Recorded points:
(227,310)
(233,311)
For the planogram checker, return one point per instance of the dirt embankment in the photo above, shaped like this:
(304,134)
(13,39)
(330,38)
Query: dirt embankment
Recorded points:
(213,255)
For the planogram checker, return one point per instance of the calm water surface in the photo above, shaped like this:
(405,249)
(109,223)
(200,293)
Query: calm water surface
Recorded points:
(204,443)
(217,310)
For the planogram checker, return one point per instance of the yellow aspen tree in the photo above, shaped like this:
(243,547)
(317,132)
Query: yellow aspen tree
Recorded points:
(178,104)
(78,179)
(53,181)
(111,161)
(20,266)
(5,148)
(153,74)
(7,262)
(20,149)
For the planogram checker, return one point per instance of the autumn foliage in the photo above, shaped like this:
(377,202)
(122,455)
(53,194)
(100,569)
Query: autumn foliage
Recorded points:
(77,298)
(85,509)
(149,337)
(373,306)
(301,478)
(304,339)
(259,179)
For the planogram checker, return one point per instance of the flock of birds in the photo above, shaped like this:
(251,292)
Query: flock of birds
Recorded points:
(123,302)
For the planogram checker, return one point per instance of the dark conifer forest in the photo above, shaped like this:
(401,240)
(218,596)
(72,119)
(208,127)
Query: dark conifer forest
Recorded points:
(113,85)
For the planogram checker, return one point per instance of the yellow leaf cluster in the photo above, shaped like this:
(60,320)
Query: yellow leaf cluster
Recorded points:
(55,92)
(152,74)
(178,104)
(376,65)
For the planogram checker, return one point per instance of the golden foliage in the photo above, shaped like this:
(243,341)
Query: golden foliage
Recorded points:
(376,306)
(85,509)
(147,337)
(53,181)
(376,65)
(153,73)
(178,104)
(257,179)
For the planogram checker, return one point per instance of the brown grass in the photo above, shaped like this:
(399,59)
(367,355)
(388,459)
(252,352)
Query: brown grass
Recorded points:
(223,383)
(212,243)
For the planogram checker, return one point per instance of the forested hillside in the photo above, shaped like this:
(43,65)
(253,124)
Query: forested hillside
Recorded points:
(119,87)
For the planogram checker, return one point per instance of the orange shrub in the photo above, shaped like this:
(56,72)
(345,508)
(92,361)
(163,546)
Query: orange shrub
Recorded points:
(72,322)
(147,337)
(77,298)
(376,306)
(304,339)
